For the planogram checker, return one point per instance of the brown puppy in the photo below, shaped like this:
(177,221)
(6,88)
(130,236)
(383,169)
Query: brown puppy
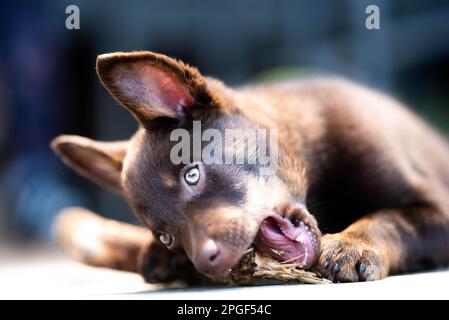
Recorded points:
(367,171)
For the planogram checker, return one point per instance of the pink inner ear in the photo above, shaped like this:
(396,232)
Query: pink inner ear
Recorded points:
(161,90)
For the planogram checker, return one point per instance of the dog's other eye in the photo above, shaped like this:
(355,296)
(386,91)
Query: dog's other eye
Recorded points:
(192,176)
(166,239)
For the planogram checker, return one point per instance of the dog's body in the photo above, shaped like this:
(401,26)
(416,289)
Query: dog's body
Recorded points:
(373,175)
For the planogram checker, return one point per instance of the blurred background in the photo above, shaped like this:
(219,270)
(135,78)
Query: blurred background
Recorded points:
(48,84)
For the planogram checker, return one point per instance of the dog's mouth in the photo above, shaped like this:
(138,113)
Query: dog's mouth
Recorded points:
(286,242)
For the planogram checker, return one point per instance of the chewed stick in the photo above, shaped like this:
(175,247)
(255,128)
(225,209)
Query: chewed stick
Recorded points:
(293,259)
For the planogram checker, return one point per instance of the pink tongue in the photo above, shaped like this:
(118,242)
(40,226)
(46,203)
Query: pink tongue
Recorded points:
(278,238)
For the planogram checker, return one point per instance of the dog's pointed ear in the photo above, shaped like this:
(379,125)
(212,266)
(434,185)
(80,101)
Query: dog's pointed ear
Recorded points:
(98,161)
(153,85)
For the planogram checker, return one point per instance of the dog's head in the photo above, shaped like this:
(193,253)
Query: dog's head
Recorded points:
(213,210)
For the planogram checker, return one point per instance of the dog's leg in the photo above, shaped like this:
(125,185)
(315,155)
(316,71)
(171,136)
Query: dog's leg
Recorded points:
(386,242)
(102,242)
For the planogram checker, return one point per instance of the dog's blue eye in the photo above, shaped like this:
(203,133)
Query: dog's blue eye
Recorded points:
(192,176)
(166,239)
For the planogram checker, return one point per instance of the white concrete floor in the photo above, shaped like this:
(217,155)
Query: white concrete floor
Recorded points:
(46,274)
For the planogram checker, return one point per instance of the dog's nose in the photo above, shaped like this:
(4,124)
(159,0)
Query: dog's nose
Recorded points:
(209,256)
(213,258)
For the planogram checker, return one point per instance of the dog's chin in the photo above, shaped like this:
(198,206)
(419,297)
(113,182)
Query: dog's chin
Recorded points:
(223,271)
(218,275)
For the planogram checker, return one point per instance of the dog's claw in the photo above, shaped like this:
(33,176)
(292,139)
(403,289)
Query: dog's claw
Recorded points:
(362,268)
(336,268)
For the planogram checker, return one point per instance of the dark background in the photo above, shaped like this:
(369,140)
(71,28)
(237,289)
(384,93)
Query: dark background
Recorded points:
(48,83)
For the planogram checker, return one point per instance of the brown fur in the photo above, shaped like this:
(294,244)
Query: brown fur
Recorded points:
(372,174)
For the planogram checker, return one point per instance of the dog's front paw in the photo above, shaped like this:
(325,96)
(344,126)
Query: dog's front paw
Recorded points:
(345,258)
